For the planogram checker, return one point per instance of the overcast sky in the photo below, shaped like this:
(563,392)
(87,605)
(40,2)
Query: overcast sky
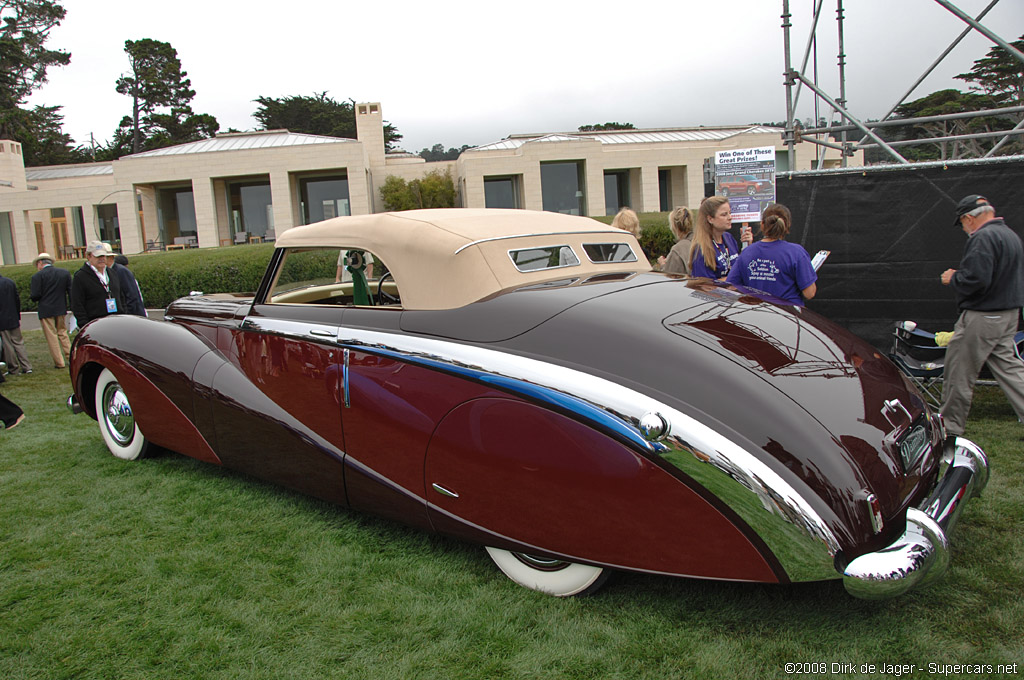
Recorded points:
(471,72)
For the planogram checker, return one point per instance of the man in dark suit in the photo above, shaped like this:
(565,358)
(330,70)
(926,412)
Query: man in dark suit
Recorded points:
(94,292)
(50,286)
(118,265)
(10,328)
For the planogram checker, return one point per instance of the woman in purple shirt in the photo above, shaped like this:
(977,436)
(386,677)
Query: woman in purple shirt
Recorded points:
(773,264)
(714,249)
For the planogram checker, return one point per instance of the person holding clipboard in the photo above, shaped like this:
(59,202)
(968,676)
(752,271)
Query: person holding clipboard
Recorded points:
(94,292)
(773,264)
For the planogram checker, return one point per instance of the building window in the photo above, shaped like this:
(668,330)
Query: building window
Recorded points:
(562,186)
(110,230)
(252,209)
(502,192)
(616,191)
(78,222)
(324,198)
(665,189)
(176,214)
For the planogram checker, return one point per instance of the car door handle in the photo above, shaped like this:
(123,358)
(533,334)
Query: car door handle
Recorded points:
(322,333)
(443,491)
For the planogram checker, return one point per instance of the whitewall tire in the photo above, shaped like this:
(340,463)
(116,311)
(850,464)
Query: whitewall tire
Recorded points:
(117,422)
(554,577)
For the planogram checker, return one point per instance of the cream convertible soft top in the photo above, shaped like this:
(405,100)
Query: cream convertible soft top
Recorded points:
(447,258)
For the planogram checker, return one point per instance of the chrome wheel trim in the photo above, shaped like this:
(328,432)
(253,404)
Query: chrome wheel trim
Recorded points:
(116,419)
(541,563)
(117,414)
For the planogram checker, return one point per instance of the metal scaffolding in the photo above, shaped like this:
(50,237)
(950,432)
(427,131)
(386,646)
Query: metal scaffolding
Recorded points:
(796,79)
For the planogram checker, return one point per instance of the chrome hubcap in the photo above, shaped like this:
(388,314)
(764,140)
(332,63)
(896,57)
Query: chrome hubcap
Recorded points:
(117,413)
(541,563)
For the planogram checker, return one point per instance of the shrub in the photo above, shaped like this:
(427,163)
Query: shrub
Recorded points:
(164,277)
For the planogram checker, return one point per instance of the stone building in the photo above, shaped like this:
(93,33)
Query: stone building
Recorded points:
(245,187)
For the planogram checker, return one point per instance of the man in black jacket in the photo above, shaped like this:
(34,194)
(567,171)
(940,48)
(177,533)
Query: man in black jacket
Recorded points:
(50,286)
(989,287)
(94,292)
(10,328)
(118,265)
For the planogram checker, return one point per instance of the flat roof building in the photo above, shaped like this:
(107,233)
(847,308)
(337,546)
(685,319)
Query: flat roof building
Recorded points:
(245,187)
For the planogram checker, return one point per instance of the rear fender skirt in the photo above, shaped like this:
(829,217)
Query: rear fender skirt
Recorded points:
(159,418)
(794,532)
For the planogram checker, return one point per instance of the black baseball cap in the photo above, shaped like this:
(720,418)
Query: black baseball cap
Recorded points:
(967,204)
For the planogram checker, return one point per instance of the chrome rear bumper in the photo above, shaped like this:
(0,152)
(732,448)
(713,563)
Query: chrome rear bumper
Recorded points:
(921,554)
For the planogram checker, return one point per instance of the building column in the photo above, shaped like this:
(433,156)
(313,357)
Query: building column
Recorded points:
(281,196)
(533,196)
(128,223)
(695,187)
(594,174)
(207,230)
(650,196)
(24,234)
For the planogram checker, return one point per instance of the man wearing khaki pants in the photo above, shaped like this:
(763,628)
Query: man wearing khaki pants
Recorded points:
(50,287)
(989,287)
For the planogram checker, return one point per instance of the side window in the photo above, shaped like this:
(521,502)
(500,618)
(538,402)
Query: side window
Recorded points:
(333,276)
(547,257)
(604,253)
(304,269)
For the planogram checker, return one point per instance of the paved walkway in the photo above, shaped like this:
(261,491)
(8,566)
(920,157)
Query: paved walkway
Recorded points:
(30,320)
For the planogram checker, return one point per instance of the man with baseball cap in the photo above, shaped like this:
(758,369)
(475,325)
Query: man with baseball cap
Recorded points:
(94,292)
(50,287)
(989,288)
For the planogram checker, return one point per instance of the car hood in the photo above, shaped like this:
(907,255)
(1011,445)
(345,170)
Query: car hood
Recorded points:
(803,393)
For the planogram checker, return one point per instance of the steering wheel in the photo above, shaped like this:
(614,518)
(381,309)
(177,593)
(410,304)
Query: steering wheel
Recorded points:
(386,298)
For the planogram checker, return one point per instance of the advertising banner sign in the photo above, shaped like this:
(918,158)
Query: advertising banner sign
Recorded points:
(747,178)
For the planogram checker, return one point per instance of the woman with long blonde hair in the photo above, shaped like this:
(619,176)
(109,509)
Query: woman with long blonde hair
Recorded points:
(714,248)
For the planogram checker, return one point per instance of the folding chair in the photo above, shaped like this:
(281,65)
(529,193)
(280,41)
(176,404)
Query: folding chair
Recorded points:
(915,353)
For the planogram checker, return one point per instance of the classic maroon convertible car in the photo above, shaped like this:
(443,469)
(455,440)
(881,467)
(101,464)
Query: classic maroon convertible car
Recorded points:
(522,380)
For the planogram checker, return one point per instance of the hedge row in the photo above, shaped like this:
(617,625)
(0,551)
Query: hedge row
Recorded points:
(166,276)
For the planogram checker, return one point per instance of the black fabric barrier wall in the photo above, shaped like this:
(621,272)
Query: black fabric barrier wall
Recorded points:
(891,234)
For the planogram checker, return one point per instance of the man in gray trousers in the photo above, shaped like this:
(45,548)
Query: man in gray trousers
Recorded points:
(989,288)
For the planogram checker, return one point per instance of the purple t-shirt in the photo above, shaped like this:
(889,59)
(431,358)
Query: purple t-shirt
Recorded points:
(779,268)
(725,258)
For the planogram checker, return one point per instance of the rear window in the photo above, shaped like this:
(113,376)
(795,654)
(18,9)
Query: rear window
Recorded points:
(549,257)
(609,252)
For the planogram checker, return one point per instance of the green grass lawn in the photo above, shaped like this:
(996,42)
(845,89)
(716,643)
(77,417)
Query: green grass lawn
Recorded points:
(170,568)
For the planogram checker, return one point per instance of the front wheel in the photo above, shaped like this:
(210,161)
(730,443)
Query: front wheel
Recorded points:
(751,191)
(120,432)
(554,577)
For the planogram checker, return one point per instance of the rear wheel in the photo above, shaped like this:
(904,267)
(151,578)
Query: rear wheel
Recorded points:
(117,423)
(751,191)
(554,577)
